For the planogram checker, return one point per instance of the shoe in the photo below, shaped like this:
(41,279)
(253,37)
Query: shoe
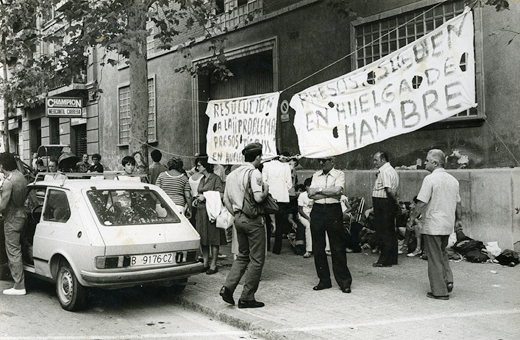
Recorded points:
(13,291)
(374,251)
(227,296)
(221,256)
(450,287)
(250,304)
(328,253)
(378,265)
(307,255)
(211,271)
(403,250)
(414,253)
(205,269)
(348,250)
(322,286)
(431,296)
(346,290)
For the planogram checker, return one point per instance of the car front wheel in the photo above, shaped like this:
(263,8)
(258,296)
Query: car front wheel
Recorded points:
(71,294)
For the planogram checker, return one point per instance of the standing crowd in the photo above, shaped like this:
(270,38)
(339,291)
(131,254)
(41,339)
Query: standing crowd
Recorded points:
(316,216)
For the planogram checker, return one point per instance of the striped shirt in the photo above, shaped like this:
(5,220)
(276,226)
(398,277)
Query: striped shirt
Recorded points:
(174,186)
(387,177)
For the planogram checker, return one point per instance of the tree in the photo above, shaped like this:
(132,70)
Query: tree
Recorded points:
(23,73)
(120,26)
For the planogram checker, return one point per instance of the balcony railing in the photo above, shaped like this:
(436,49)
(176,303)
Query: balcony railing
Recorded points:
(63,79)
(240,15)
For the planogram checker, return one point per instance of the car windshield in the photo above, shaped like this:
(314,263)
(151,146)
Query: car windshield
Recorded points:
(130,207)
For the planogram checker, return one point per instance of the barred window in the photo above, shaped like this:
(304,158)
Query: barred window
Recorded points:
(124,113)
(377,38)
(152,113)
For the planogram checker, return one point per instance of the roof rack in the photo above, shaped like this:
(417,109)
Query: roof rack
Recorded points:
(62,176)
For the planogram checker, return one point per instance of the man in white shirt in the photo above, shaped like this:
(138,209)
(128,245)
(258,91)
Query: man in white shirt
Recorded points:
(439,205)
(278,176)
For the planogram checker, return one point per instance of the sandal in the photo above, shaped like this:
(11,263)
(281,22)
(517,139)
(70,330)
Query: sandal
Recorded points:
(307,255)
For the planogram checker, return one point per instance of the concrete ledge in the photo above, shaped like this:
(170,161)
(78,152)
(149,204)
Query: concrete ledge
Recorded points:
(490,199)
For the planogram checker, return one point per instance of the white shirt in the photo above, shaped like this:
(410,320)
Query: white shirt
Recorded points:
(236,183)
(333,178)
(305,202)
(440,191)
(278,176)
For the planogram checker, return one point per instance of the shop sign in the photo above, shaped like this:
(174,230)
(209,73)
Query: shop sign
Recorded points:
(64,107)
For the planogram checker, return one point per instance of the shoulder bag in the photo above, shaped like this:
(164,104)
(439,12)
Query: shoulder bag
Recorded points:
(252,208)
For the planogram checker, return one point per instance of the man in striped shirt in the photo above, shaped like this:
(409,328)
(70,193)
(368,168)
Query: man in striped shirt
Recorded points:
(384,200)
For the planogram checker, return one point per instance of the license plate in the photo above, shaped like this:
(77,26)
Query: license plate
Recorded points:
(157,259)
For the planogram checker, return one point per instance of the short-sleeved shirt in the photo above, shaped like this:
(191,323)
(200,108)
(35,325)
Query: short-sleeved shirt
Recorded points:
(305,202)
(334,178)
(174,186)
(278,176)
(96,168)
(440,191)
(236,183)
(387,177)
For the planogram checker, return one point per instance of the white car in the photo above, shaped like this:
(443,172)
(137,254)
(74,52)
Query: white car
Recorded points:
(107,234)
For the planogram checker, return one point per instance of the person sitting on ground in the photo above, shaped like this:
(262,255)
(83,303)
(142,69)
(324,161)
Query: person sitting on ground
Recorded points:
(304,210)
(415,229)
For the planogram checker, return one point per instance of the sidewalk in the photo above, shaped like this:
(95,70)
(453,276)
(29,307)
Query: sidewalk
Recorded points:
(385,303)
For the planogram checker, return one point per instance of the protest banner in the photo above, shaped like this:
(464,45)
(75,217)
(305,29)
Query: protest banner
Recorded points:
(234,123)
(426,81)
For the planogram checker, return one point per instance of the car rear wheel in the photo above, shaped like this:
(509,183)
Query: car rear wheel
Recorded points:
(71,294)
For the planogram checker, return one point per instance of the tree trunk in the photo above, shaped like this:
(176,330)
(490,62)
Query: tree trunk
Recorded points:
(139,84)
(6,98)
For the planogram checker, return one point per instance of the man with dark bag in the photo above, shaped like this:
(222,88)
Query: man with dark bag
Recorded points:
(439,205)
(326,217)
(250,229)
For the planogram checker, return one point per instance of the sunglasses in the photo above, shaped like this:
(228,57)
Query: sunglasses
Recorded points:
(323,160)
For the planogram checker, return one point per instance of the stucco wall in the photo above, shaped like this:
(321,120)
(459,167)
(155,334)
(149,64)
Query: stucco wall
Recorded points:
(490,199)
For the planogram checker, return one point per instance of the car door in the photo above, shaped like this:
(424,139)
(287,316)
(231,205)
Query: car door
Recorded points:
(60,231)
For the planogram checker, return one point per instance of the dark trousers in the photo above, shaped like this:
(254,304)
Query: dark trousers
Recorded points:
(385,212)
(282,226)
(439,271)
(251,255)
(328,218)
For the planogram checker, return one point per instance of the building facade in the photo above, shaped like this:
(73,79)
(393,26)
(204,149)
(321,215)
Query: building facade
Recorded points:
(287,46)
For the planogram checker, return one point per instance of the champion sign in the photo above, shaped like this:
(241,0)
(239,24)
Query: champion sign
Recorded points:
(64,107)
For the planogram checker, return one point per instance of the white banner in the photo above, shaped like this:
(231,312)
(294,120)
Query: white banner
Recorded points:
(234,123)
(426,81)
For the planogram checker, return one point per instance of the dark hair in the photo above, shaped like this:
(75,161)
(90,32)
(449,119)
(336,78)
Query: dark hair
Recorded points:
(285,154)
(251,156)
(96,156)
(128,159)
(8,162)
(156,155)
(176,163)
(204,162)
(415,200)
(307,182)
(383,156)
(300,187)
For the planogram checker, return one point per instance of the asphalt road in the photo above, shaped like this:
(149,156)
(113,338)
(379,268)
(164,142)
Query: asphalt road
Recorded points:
(133,313)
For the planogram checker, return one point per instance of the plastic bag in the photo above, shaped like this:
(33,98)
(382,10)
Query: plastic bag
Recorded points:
(493,248)
(224,219)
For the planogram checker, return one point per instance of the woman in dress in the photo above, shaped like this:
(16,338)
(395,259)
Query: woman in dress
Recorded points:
(210,235)
(175,183)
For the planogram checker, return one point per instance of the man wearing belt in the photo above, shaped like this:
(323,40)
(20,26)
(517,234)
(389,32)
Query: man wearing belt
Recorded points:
(250,231)
(14,191)
(326,217)
(384,201)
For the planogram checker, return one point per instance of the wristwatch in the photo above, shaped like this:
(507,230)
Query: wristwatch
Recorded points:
(321,189)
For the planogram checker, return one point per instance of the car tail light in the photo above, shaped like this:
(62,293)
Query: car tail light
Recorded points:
(103,262)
